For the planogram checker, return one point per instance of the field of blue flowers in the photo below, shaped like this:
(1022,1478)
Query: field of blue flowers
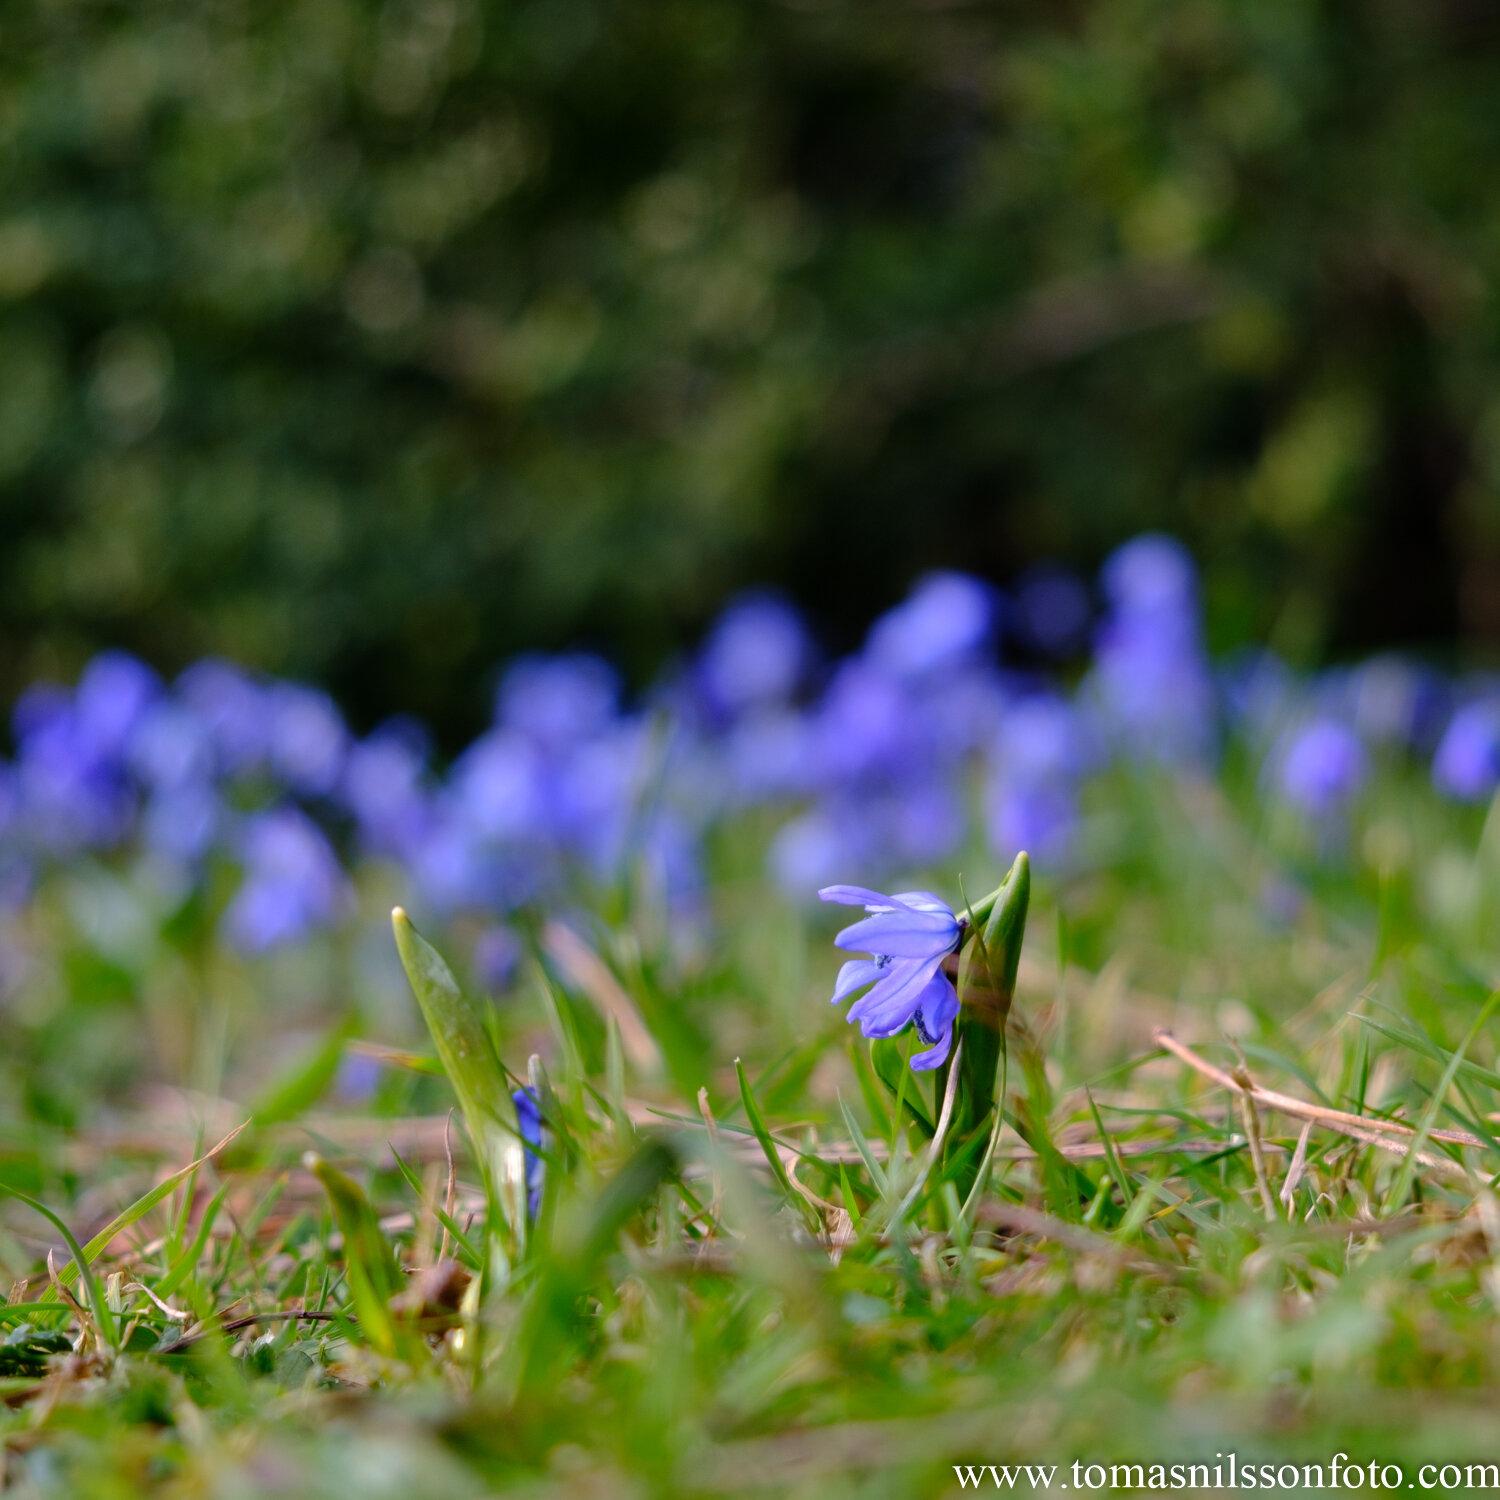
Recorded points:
(1164,1123)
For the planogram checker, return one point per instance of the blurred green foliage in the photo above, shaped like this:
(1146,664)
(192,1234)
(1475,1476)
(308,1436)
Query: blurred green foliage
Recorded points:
(372,341)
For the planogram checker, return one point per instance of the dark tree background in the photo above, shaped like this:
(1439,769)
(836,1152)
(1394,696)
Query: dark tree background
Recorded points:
(372,341)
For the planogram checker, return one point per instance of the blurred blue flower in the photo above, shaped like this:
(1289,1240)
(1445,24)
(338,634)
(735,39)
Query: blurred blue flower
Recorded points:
(182,820)
(770,753)
(1041,817)
(307,739)
(1322,767)
(450,868)
(816,845)
(529,1119)
(1150,675)
(72,792)
(382,787)
(1044,746)
(595,793)
(755,656)
(1260,694)
(558,700)
(170,745)
(949,619)
(1395,702)
(919,823)
(865,727)
(293,884)
(907,936)
(500,782)
(1051,612)
(958,713)
(1152,576)
(497,951)
(1467,763)
(232,707)
(357,1078)
(113,693)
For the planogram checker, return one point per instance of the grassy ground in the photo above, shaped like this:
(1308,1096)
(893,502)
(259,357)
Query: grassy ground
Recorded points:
(1169,1263)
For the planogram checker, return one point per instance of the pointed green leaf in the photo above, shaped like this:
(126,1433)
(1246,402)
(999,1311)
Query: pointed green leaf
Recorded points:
(768,1148)
(374,1277)
(462,1040)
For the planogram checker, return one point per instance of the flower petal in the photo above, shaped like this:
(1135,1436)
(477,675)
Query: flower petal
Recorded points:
(855,975)
(937,1006)
(934,1057)
(894,1001)
(902,933)
(857,895)
(937,1009)
(921,901)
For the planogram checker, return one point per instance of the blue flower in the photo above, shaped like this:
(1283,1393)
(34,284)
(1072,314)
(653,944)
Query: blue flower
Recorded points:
(529,1118)
(233,707)
(1467,763)
(908,936)
(308,740)
(1322,768)
(948,619)
(293,883)
(558,700)
(755,656)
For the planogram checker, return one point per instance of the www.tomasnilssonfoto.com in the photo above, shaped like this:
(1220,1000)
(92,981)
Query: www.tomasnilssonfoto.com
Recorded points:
(1228,1472)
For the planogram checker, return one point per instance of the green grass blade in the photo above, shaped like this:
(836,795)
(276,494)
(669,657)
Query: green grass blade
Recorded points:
(1418,1041)
(97,1301)
(143,1205)
(305,1082)
(187,1262)
(768,1148)
(443,1216)
(463,1043)
(862,1145)
(374,1277)
(1402,1185)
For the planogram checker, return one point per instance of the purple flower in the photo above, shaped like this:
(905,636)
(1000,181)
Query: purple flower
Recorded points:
(170,746)
(817,845)
(1322,767)
(1052,613)
(1151,674)
(1467,763)
(1040,816)
(908,936)
(497,951)
(72,790)
(114,692)
(949,620)
(382,787)
(293,883)
(1151,576)
(865,726)
(357,1078)
(769,753)
(449,866)
(557,700)
(233,707)
(755,655)
(1395,701)
(181,820)
(308,739)
(1043,748)
(529,1118)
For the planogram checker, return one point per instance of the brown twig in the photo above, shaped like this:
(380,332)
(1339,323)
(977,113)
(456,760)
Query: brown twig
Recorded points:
(1388,1135)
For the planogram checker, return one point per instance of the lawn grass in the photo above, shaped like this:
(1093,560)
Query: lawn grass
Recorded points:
(757,1267)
